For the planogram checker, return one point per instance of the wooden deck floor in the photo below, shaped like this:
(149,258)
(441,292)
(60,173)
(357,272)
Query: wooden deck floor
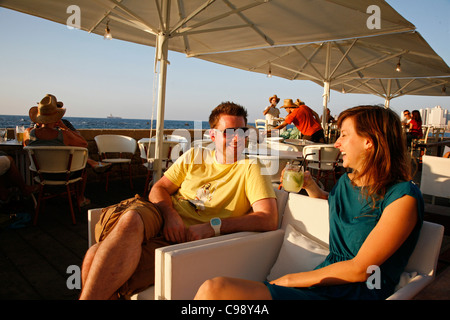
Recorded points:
(34,259)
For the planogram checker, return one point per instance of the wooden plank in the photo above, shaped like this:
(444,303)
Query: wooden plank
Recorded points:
(41,275)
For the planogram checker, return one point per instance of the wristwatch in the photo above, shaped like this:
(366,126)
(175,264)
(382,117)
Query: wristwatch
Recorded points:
(215,224)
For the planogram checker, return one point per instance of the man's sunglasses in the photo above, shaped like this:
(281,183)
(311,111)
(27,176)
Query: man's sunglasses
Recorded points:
(230,133)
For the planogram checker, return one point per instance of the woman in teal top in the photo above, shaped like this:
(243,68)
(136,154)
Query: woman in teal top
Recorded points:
(376,213)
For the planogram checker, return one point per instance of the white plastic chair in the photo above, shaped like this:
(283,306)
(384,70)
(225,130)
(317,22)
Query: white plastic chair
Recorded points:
(261,124)
(435,179)
(116,149)
(171,152)
(57,166)
(184,267)
(322,158)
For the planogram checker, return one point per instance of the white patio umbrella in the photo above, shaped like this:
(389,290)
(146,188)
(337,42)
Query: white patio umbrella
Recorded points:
(397,87)
(349,61)
(210,26)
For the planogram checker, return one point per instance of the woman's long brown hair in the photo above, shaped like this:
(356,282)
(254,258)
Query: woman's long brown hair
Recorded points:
(388,161)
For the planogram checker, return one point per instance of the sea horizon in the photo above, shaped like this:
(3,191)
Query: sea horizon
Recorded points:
(11,121)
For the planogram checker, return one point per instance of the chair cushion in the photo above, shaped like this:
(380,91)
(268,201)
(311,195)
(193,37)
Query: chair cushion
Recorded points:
(298,253)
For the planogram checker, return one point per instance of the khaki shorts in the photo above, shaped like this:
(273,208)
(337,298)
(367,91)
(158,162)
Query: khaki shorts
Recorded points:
(144,275)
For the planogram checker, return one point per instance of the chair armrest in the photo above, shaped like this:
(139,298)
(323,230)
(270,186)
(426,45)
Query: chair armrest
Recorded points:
(409,291)
(183,268)
(93,217)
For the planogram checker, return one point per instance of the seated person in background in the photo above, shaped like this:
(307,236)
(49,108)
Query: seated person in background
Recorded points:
(414,127)
(203,194)
(51,131)
(10,176)
(305,119)
(376,213)
(406,120)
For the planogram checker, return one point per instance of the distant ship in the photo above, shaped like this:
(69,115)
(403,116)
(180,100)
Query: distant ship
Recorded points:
(113,117)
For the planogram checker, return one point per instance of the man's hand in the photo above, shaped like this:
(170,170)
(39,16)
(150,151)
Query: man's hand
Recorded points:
(174,229)
(199,231)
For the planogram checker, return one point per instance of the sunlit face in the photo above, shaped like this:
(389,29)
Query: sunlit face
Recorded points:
(273,101)
(407,115)
(352,146)
(229,142)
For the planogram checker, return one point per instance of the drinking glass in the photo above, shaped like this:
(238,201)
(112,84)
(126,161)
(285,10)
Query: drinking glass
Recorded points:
(19,133)
(293,178)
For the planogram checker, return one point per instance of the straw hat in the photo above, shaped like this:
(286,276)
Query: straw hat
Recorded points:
(274,96)
(289,104)
(299,102)
(49,110)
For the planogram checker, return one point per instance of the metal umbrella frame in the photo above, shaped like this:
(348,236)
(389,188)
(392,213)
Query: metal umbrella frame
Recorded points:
(342,64)
(199,27)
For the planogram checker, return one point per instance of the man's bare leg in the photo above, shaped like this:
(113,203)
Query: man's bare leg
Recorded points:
(110,264)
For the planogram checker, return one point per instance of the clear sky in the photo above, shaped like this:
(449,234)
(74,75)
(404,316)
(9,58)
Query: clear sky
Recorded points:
(96,77)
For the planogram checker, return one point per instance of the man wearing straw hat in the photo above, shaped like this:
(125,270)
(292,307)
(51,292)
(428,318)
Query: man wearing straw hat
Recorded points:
(304,119)
(50,130)
(272,113)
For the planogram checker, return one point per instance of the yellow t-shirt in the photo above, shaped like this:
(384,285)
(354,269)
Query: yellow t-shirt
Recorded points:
(209,189)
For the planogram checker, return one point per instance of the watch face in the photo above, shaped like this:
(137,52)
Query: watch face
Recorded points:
(215,221)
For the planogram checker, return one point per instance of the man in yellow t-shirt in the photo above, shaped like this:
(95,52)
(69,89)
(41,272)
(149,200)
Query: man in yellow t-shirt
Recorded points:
(203,194)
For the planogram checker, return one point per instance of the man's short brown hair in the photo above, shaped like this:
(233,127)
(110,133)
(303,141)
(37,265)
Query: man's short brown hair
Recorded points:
(228,108)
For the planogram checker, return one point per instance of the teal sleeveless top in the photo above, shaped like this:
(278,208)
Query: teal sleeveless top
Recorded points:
(352,218)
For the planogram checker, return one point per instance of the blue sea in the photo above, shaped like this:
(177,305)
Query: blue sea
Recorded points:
(7,121)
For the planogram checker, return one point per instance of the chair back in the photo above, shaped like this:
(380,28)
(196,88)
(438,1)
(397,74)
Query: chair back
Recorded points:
(425,256)
(57,159)
(308,215)
(113,143)
(326,155)
(171,150)
(261,124)
(435,179)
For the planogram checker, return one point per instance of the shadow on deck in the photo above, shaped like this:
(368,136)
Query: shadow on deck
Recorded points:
(34,259)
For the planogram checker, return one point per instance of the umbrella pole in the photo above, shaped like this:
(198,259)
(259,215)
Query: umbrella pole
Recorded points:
(326,96)
(163,51)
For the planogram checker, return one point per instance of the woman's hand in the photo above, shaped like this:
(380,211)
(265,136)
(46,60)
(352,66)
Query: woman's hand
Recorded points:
(308,181)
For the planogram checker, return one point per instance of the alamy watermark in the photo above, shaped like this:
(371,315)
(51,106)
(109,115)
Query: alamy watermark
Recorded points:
(374,21)
(74,19)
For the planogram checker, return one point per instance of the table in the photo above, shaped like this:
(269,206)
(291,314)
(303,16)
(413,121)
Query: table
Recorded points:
(15,149)
(273,160)
(184,143)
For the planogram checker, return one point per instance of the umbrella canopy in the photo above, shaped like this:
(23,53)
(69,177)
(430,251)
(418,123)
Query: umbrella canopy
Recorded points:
(335,62)
(198,27)
(204,26)
(393,88)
